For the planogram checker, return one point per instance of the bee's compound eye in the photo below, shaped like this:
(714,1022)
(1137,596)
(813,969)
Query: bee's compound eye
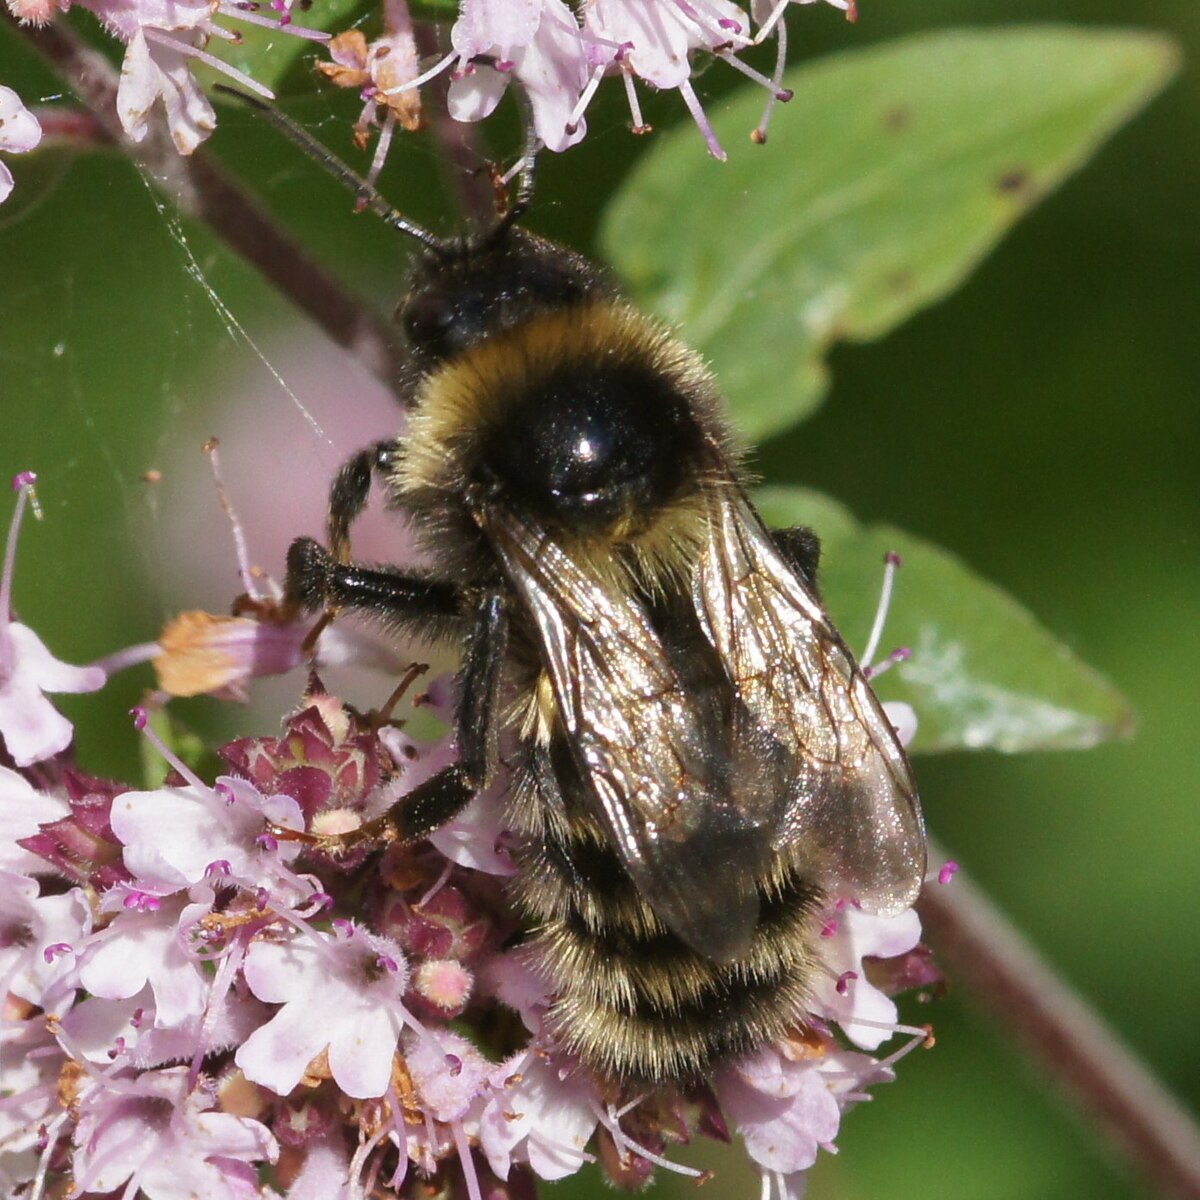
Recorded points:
(428,319)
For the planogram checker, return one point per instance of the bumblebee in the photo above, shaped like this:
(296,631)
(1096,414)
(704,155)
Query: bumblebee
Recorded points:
(699,767)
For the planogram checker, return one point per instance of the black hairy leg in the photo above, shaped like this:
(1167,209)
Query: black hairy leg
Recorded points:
(801,550)
(315,580)
(349,492)
(431,804)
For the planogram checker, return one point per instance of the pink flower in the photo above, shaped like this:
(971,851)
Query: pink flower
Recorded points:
(539,1116)
(153,1136)
(784,1110)
(538,42)
(32,728)
(339,995)
(37,934)
(448,1073)
(865,1014)
(163,37)
(173,836)
(19,132)
(23,810)
(162,74)
(148,947)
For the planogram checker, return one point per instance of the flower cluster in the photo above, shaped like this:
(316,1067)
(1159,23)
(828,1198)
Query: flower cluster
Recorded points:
(162,39)
(555,54)
(558,57)
(206,995)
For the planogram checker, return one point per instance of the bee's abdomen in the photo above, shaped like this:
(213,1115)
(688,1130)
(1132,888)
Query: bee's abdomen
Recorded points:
(633,1001)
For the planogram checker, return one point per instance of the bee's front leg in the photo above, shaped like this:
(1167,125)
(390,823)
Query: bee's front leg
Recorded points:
(315,579)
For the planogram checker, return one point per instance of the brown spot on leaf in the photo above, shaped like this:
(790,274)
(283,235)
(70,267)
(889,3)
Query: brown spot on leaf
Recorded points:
(897,118)
(1013,181)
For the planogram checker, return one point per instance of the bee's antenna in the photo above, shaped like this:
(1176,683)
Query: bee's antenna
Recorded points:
(343,173)
(527,165)
(529,152)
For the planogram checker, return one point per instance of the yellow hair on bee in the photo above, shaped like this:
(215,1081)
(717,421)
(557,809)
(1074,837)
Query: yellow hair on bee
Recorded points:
(463,402)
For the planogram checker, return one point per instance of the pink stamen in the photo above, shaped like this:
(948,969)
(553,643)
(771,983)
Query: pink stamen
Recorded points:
(845,979)
(759,134)
(764,30)
(382,146)
(702,122)
(635,108)
(892,564)
(899,655)
(131,656)
(948,871)
(830,928)
(55,950)
(284,22)
(23,486)
(436,69)
(736,63)
(249,583)
(182,47)
(141,722)
(585,98)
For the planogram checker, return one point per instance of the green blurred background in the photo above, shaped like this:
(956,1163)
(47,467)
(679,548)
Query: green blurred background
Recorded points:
(1042,423)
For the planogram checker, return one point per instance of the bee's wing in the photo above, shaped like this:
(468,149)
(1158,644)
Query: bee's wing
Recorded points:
(851,812)
(659,776)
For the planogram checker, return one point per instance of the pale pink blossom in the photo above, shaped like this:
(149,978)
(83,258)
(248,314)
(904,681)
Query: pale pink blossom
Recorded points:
(448,1072)
(30,1068)
(340,995)
(174,835)
(32,728)
(23,808)
(844,994)
(156,1137)
(19,132)
(539,1115)
(148,76)
(537,42)
(149,947)
(783,1110)
(38,935)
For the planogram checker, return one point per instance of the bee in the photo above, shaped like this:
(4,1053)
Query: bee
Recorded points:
(699,767)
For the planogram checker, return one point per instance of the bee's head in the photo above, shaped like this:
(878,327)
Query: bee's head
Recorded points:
(466,291)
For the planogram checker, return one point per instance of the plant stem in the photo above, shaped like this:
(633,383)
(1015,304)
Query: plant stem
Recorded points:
(1063,1036)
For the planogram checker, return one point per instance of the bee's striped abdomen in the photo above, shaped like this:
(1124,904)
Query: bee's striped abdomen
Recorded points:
(633,1001)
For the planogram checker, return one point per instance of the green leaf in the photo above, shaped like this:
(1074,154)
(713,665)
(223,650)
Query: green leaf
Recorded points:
(890,175)
(983,672)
